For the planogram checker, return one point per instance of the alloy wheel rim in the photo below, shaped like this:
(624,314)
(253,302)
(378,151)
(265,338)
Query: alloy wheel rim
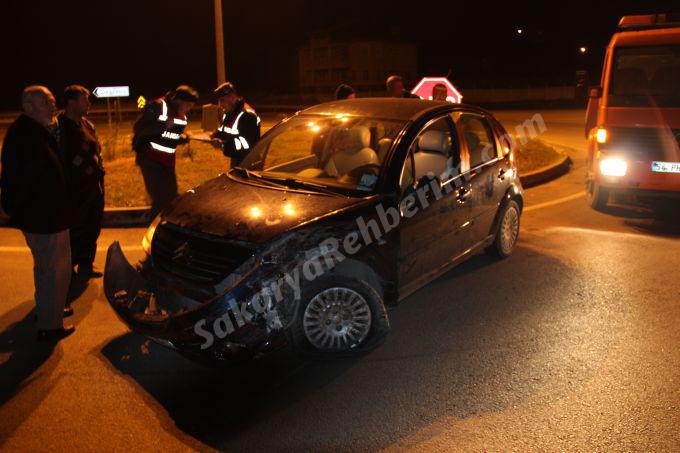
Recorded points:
(337,319)
(509,230)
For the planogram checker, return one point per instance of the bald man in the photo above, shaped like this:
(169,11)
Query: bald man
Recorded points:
(36,198)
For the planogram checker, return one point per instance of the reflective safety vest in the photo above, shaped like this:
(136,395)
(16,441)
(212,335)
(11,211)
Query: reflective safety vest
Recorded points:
(240,142)
(168,140)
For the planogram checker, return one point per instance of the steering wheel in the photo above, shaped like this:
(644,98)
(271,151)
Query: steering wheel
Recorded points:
(370,169)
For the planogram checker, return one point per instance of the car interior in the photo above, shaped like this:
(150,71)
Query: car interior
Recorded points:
(353,151)
(478,140)
(339,151)
(432,153)
(435,151)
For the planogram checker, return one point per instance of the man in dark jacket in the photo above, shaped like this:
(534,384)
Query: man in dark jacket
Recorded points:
(240,126)
(35,195)
(81,154)
(344,91)
(158,132)
(395,88)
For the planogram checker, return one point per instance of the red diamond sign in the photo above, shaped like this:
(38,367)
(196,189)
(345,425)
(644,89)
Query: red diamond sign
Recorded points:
(425,88)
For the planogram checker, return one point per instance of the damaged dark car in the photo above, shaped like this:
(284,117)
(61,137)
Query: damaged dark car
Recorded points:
(338,213)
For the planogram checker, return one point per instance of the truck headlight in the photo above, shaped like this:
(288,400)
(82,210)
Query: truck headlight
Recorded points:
(613,166)
(148,236)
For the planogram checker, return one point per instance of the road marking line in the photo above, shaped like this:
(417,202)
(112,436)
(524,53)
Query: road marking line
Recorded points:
(24,249)
(621,234)
(547,204)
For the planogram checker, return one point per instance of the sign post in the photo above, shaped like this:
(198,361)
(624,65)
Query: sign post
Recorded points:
(426,85)
(107,93)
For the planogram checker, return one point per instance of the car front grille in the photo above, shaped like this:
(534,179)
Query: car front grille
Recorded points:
(195,257)
(646,143)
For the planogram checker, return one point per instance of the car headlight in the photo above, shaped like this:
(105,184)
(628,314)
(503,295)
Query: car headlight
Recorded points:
(601,135)
(148,236)
(613,166)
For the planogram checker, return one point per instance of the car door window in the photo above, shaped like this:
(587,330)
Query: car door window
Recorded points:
(478,138)
(505,143)
(407,178)
(435,151)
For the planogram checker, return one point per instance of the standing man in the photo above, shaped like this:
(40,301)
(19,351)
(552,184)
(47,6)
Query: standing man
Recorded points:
(35,195)
(395,88)
(81,154)
(439,92)
(157,133)
(344,91)
(240,126)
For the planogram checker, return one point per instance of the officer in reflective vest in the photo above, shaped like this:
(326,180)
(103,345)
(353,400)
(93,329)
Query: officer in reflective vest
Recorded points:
(239,128)
(158,132)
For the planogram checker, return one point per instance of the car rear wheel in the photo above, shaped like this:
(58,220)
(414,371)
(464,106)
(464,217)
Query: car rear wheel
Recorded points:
(339,316)
(507,232)
(598,196)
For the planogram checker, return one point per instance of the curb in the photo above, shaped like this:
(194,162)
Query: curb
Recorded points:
(547,173)
(140,216)
(113,217)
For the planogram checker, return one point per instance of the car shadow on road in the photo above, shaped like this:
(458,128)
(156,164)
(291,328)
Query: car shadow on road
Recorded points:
(214,404)
(458,347)
(658,222)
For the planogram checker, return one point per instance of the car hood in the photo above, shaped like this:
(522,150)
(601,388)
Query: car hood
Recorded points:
(252,213)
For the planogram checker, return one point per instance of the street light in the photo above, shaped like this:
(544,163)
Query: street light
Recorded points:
(520,31)
(583,49)
(219,43)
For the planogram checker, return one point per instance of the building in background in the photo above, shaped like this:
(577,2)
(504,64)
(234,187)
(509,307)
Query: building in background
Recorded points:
(324,63)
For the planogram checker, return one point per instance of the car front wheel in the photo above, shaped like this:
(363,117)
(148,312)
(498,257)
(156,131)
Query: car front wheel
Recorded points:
(339,316)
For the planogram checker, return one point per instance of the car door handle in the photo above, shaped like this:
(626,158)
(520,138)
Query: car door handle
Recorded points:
(463,195)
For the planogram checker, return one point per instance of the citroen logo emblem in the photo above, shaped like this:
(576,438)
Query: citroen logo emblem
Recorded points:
(182,252)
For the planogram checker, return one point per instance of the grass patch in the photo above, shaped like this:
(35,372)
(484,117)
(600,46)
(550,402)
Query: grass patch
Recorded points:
(124,184)
(536,154)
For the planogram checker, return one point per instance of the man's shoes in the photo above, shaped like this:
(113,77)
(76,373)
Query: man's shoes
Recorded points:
(86,273)
(56,334)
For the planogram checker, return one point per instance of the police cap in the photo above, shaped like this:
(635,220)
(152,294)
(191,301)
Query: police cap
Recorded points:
(224,89)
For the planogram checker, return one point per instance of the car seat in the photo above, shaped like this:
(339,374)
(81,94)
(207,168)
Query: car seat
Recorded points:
(356,154)
(433,152)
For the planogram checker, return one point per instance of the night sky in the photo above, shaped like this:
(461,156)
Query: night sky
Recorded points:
(154,45)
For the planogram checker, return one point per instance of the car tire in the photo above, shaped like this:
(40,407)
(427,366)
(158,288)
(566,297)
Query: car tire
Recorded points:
(598,196)
(507,231)
(339,316)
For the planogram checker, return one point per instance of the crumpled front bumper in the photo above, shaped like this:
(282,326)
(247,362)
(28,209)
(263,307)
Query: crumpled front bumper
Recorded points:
(134,296)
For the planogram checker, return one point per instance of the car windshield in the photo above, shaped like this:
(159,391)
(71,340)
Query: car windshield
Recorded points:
(646,77)
(343,153)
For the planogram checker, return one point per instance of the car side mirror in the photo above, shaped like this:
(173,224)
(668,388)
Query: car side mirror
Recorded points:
(595,92)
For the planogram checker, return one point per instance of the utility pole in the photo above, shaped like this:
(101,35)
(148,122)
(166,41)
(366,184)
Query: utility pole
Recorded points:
(219,43)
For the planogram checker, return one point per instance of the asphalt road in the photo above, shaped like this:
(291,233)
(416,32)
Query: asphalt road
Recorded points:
(569,344)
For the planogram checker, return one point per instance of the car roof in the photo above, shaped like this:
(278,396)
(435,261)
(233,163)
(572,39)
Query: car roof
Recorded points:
(657,36)
(388,108)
